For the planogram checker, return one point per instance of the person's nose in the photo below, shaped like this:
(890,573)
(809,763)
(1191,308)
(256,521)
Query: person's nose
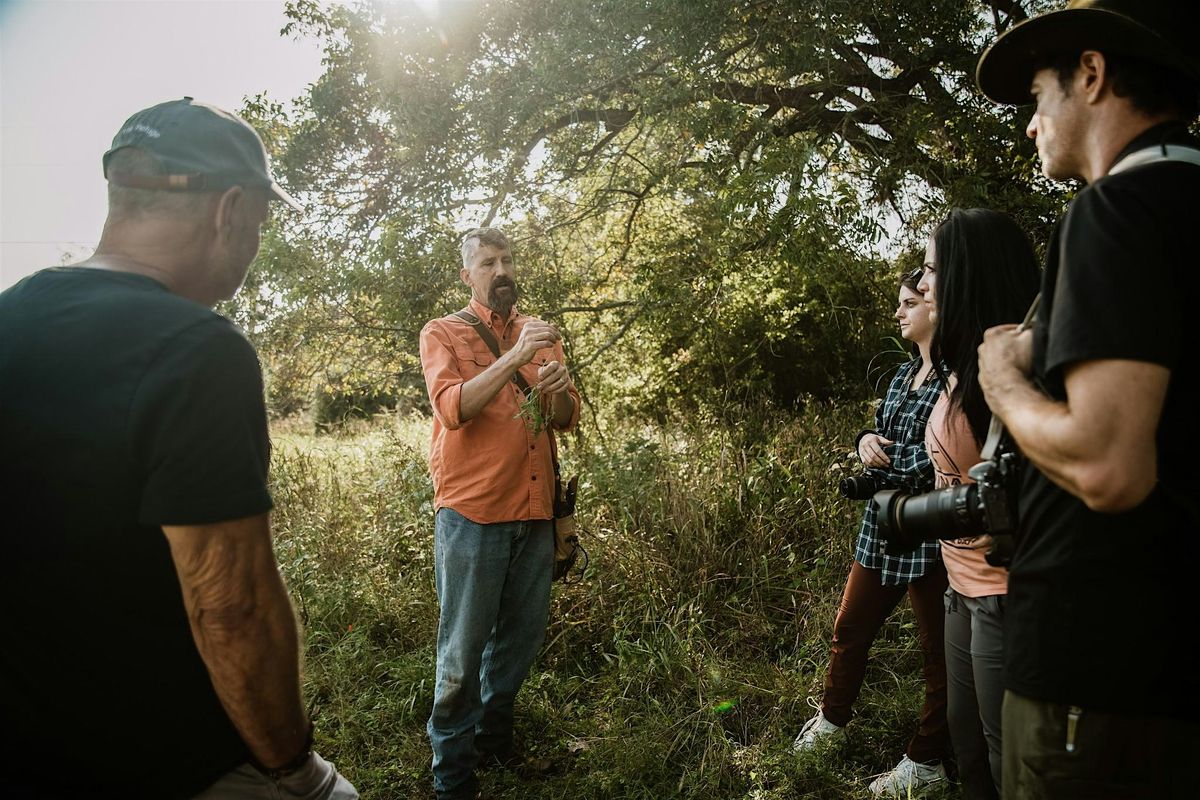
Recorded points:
(1031,130)
(899,313)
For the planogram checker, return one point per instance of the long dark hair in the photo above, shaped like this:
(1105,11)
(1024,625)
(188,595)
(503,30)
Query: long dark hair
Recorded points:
(987,274)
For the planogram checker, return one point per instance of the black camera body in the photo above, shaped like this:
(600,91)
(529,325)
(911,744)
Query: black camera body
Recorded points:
(987,506)
(861,487)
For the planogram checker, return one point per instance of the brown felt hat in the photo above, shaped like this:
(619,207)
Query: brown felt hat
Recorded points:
(1160,31)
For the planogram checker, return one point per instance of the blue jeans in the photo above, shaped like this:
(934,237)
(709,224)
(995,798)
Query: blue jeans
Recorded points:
(493,585)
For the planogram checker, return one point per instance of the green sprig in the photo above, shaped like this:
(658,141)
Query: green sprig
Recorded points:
(531,411)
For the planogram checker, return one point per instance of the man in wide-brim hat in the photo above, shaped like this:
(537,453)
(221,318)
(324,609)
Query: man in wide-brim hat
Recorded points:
(1100,700)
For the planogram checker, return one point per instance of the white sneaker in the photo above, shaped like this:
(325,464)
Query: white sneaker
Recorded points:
(907,779)
(816,730)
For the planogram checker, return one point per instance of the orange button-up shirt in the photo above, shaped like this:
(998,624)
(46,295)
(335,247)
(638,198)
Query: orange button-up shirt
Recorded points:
(490,468)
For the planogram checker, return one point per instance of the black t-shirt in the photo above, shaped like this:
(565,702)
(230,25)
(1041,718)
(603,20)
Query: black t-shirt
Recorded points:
(1101,607)
(122,408)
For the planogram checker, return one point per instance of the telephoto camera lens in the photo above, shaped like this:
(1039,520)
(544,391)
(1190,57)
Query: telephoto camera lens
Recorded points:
(858,487)
(905,521)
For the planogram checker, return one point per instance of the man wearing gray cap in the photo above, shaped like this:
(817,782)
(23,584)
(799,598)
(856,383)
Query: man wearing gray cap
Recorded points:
(150,647)
(1101,701)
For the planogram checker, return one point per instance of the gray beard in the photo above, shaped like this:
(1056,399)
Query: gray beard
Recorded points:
(502,305)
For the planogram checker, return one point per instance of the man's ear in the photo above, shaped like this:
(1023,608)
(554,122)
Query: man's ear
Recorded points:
(1092,76)
(465,276)
(229,205)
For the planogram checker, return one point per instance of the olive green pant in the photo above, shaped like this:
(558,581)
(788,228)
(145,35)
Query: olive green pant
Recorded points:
(1114,756)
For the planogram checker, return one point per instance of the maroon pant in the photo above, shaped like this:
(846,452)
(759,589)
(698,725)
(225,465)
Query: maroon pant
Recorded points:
(866,604)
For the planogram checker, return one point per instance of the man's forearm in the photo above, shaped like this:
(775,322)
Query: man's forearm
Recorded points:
(245,631)
(479,391)
(1040,427)
(1099,444)
(252,655)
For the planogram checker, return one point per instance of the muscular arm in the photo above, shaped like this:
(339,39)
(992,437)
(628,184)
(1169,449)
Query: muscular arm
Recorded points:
(1100,444)
(245,630)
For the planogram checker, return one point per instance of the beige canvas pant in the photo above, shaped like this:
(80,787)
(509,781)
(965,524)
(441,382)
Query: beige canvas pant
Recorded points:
(316,780)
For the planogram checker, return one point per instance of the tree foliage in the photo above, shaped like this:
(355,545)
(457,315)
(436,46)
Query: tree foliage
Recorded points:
(708,195)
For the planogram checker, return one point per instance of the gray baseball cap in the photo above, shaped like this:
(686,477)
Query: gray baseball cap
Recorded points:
(201,147)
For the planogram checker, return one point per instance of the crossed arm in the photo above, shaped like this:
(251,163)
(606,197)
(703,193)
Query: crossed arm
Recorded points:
(554,380)
(1100,444)
(245,629)
(457,402)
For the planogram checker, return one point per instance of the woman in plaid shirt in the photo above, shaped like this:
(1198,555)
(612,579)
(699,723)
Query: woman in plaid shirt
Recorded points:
(894,453)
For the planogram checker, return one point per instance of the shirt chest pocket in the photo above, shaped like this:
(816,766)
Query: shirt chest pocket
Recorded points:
(906,420)
(472,362)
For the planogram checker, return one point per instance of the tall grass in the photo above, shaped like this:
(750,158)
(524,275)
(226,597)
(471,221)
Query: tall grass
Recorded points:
(681,667)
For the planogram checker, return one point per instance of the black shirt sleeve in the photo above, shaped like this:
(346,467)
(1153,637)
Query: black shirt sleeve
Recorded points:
(200,429)
(1114,297)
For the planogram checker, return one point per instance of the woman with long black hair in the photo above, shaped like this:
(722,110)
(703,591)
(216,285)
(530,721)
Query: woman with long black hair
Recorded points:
(980,271)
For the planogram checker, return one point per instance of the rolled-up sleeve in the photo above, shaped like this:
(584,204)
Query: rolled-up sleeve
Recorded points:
(443,378)
(575,402)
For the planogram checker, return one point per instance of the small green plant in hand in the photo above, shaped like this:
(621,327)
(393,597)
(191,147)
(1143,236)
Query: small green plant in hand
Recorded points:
(531,411)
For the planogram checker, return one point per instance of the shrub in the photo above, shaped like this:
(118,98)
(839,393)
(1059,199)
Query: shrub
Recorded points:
(679,668)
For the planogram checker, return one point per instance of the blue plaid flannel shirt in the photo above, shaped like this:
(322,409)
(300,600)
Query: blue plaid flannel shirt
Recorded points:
(902,417)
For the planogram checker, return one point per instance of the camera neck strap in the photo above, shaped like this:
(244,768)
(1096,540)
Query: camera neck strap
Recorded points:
(1157,154)
(996,427)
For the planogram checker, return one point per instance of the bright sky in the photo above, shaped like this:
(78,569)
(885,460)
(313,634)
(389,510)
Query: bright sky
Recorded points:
(71,71)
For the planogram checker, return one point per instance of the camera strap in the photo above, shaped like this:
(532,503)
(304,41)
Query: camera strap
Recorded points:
(996,427)
(1156,154)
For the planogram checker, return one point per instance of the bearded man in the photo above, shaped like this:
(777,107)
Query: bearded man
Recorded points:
(493,479)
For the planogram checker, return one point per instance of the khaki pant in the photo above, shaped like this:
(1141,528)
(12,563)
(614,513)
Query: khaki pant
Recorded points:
(1115,757)
(316,780)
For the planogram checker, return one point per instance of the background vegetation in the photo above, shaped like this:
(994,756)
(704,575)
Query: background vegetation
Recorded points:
(707,195)
(681,667)
(712,198)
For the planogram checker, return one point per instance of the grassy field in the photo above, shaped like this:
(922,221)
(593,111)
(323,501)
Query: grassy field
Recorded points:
(681,667)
